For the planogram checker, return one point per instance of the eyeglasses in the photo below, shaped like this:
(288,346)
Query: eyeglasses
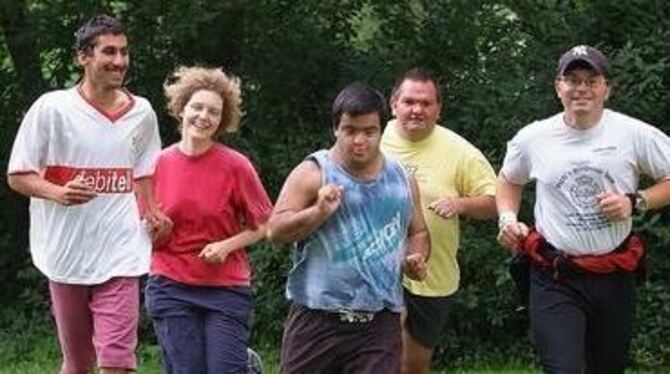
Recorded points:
(590,82)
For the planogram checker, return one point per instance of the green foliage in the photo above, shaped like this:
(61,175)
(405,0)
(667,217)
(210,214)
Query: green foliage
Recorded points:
(487,326)
(496,61)
(271,264)
(485,314)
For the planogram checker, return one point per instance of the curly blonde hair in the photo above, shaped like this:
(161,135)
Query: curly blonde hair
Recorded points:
(185,81)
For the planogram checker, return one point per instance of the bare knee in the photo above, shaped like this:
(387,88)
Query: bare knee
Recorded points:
(415,357)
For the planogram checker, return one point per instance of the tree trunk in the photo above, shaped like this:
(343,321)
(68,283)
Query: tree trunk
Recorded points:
(20,40)
(23,51)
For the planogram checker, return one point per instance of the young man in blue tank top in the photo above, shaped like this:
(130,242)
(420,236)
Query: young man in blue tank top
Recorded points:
(355,223)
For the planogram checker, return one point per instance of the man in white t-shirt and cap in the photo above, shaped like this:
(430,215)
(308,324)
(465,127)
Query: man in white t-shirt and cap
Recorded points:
(586,162)
(79,154)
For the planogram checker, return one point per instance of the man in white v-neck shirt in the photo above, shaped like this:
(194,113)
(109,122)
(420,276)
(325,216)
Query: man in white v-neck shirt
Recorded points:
(586,162)
(80,154)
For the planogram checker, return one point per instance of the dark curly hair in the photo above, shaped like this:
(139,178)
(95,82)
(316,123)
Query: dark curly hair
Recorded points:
(86,35)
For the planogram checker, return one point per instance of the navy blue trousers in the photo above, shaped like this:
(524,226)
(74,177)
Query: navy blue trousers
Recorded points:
(200,330)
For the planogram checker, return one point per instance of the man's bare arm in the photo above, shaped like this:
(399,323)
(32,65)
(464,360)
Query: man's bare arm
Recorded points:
(508,200)
(303,204)
(34,185)
(418,240)
(478,207)
(658,195)
(415,264)
(160,224)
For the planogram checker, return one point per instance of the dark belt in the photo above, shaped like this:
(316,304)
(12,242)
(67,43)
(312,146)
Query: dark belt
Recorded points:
(352,316)
(561,264)
(344,315)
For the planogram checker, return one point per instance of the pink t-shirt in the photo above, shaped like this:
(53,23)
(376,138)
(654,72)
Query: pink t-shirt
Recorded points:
(209,197)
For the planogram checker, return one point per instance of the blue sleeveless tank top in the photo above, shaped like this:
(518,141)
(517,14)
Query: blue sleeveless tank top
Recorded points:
(353,260)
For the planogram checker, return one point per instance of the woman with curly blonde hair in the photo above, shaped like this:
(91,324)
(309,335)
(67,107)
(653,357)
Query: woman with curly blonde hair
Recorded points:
(198,293)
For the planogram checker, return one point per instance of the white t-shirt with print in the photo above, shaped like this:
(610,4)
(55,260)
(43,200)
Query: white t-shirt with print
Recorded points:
(571,167)
(63,137)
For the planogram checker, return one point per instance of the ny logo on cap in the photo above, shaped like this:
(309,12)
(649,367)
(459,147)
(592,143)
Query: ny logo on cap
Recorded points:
(579,50)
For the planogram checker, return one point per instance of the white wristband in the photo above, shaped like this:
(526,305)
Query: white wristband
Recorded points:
(505,218)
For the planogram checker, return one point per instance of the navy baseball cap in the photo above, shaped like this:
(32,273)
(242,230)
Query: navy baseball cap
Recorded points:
(585,54)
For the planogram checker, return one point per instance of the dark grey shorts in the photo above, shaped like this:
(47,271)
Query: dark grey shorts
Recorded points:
(426,317)
(322,342)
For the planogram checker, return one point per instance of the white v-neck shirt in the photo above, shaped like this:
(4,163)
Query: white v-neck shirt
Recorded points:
(63,136)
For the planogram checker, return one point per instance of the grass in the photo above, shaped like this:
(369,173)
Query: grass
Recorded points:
(43,356)
(45,359)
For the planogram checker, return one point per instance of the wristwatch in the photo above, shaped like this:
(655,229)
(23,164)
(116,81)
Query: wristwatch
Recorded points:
(638,202)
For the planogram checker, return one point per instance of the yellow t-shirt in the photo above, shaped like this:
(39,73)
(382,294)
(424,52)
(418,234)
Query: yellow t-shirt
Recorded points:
(444,165)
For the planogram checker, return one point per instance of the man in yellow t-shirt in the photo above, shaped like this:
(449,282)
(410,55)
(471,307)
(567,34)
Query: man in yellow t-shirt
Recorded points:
(454,180)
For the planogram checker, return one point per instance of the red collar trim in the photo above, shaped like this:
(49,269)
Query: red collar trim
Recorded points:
(112,116)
